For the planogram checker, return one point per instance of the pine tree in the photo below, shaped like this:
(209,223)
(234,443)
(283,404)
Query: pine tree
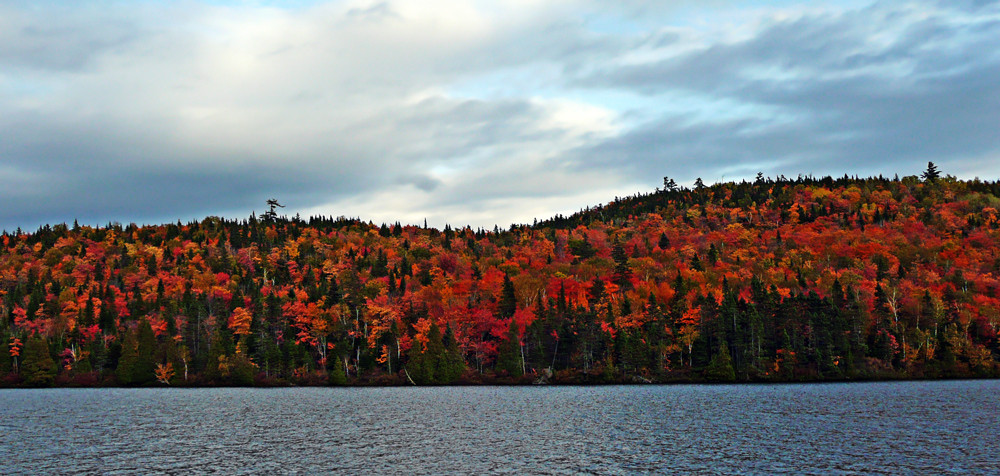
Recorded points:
(669,184)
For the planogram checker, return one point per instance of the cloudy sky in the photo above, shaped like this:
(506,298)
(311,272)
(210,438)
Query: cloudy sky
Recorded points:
(473,112)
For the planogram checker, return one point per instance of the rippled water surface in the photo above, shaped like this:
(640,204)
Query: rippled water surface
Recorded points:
(890,427)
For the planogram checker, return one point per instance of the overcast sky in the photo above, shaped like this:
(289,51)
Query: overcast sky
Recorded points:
(473,112)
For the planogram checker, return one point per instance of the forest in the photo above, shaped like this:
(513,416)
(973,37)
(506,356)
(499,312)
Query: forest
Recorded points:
(770,280)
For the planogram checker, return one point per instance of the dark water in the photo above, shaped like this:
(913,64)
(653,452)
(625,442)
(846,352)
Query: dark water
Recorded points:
(890,427)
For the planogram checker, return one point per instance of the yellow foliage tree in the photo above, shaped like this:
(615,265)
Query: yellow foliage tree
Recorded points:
(239,321)
(164,372)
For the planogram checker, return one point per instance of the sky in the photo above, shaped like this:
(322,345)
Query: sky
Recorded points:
(473,112)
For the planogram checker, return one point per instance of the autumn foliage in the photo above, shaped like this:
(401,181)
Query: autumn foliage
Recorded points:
(771,280)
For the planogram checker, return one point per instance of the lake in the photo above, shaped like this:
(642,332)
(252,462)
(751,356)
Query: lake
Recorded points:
(891,427)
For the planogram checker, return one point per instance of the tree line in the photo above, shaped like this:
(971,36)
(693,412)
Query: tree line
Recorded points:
(779,279)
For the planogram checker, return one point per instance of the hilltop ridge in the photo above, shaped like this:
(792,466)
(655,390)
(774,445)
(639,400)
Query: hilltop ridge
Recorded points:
(771,280)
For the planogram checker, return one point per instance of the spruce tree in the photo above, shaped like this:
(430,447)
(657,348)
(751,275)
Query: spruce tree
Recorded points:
(6,361)
(417,367)
(664,242)
(434,363)
(241,369)
(38,367)
(453,364)
(217,365)
(509,357)
(336,374)
(720,369)
(129,360)
(713,254)
(434,354)
(622,272)
(932,173)
(145,366)
(508,300)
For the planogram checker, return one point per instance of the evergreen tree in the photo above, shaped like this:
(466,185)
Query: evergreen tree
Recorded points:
(622,272)
(128,362)
(145,366)
(508,300)
(720,369)
(453,365)
(38,368)
(664,242)
(713,254)
(336,374)
(432,364)
(628,349)
(6,361)
(509,359)
(434,354)
(597,292)
(217,363)
(669,184)
(418,369)
(240,368)
(932,173)
(696,263)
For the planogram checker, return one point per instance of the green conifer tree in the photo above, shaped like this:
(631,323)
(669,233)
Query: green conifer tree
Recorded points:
(129,359)
(508,300)
(509,357)
(932,173)
(453,365)
(417,367)
(38,367)
(434,354)
(720,369)
(6,363)
(336,375)
(145,365)
(217,365)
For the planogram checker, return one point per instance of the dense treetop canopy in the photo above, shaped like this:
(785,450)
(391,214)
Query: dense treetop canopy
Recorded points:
(770,280)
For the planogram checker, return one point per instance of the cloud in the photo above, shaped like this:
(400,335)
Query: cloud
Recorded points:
(471,111)
(211,109)
(31,39)
(877,90)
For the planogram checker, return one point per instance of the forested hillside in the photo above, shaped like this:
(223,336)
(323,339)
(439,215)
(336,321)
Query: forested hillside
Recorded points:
(771,280)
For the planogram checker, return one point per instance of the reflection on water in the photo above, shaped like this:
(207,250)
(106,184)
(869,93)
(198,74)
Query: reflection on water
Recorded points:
(896,427)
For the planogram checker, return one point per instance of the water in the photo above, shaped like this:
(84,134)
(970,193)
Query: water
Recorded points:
(887,427)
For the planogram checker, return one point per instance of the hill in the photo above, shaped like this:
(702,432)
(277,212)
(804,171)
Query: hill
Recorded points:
(771,280)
